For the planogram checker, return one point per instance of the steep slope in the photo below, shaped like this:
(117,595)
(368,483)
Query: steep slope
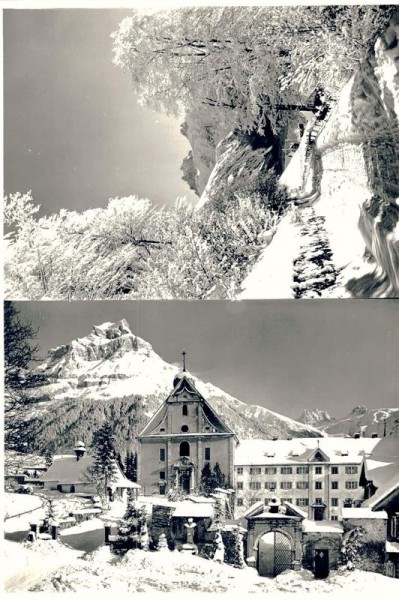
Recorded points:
(240,160)
(113,374)
(345,180)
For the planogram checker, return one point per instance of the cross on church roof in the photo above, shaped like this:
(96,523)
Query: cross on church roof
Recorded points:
(184,359)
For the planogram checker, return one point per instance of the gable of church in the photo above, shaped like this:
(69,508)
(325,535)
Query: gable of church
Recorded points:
(185,411)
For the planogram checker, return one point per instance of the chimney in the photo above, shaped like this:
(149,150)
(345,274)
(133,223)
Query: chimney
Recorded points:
(79,450)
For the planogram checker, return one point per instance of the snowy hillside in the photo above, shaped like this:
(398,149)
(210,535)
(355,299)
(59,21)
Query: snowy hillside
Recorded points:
(113,373)
(342,238)
(365,420)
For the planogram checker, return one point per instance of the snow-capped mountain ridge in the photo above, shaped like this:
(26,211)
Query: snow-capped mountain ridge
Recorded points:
(111,363)
(361,420)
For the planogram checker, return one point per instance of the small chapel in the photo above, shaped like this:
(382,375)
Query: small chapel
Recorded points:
(182,436)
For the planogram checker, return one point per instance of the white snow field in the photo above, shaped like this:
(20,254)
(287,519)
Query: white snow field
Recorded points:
(51,567)
(20,510)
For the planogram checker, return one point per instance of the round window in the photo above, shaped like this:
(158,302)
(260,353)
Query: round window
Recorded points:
(184,428)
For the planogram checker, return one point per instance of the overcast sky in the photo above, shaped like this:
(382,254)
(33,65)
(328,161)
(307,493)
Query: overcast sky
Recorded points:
(73,131)
(284,355)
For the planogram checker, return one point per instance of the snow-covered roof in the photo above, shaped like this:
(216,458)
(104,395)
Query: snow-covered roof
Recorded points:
(384,491)
(186,508)
(392,547)
(383,464)
(295,509)
(300,450)
(363,513)
(68,470)
(124,483)
(257,506)
(309,526)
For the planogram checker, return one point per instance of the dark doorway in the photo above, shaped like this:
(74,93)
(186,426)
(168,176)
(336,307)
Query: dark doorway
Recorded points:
(184,480)
(72,489)
(321,564)
(318,512)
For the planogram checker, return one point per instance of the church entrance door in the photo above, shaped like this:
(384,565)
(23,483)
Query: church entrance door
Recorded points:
(184,480)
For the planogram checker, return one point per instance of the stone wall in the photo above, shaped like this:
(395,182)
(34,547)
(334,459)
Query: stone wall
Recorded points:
(321,541)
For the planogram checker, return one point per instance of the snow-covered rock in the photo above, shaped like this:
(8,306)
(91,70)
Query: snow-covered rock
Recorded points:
(316,417)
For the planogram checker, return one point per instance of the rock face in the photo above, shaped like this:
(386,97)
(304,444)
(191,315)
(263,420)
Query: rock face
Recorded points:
(345,179)
(113,369)
(315,417)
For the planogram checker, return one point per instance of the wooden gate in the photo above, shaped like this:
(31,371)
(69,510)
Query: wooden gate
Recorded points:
(274,554)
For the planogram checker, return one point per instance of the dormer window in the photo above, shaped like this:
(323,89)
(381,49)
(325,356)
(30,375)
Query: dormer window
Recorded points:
(184,410)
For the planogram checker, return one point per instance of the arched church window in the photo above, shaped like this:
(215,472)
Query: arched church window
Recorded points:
(184,449)
(185,410)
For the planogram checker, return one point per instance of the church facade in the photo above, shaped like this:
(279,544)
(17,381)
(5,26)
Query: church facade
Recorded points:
(182,436)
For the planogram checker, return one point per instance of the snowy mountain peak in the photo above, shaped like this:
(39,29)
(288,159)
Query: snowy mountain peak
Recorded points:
(111,366)
(109,341)
(315,416)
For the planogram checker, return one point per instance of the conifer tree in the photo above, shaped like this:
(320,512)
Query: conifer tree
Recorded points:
(206,486)
(131,466)
(104,470)
(218,477)
(132,529)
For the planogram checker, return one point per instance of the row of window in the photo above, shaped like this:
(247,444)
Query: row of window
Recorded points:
(300,485)
(348,503)
(349,470)
(184,450)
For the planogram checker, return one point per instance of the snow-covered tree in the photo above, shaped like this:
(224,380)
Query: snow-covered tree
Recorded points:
(132,529)
(162,543)
(133,250)
(240,60)
(219,548)
(350,550)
